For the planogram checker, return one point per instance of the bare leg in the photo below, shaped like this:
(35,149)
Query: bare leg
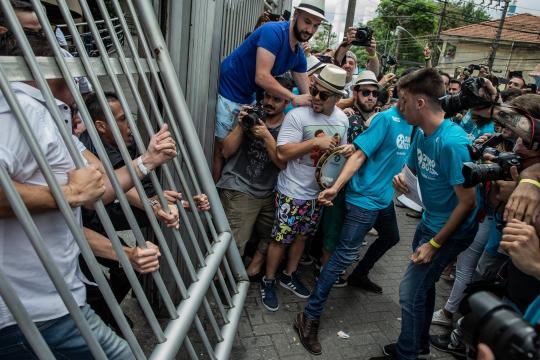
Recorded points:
(295,253)
(256,264)
(276,250)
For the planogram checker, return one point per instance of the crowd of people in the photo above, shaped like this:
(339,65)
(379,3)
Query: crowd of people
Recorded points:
(283,111)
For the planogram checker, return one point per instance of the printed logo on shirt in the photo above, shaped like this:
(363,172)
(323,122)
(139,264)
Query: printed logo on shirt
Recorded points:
(396,119)
(426,164)
(403,142)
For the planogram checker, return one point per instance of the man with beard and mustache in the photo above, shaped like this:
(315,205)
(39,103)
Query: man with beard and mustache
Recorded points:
(250,175)
(297,214)
(271,50)
(380,153)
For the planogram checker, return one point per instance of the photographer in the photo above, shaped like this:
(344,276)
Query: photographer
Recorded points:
(250,174)
(362,36)
(271,50)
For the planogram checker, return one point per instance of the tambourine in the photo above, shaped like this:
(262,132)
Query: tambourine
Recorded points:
(329,167)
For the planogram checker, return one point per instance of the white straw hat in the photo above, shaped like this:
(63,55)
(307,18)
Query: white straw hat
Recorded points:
(313,7)
(332,78)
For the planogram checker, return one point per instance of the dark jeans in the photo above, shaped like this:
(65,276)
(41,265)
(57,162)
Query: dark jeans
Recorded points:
(357,223)
(387,227)
(417,292)
(64,339)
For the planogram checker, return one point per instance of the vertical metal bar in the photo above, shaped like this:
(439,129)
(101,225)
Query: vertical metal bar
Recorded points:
(190,136)
(174,127)
(51,180)
(27,326)
(100,209)
(219,303)
(39,245)
(147,124)
(204,337)
(125,155)
(212,319)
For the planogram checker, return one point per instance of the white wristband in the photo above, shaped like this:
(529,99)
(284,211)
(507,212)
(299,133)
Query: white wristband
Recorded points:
(144,170)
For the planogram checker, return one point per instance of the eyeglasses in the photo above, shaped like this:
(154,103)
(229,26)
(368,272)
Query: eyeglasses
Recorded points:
(366,93)
(323,95)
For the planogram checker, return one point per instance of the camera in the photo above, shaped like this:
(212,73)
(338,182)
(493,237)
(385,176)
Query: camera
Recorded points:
(490,321)
(473,67)
(477,150)
(499,169)
(469,97)
(363,36)
(253,116)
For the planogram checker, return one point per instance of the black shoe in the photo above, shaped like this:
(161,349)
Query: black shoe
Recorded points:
(445,344)
(390,350)
(363,282)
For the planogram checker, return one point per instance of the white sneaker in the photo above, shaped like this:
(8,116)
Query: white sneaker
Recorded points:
(440,319)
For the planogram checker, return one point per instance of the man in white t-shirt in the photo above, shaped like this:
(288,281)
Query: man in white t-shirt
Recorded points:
(306,134)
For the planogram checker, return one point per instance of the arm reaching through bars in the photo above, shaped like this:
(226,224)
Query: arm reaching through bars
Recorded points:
(143,260)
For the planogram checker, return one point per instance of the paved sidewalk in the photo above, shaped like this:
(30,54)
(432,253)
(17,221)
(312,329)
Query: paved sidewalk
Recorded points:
(371,320)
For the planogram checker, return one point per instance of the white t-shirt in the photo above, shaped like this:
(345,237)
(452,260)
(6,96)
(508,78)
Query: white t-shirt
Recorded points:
(18,260)
(301,124)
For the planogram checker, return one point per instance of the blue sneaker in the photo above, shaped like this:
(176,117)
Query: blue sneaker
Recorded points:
(268,294)
(293,284)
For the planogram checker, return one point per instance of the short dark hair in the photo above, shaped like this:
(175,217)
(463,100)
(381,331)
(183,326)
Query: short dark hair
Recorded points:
(285,82)
(94,107)
(427,82)
(18,5)
(442,73)
(455,81)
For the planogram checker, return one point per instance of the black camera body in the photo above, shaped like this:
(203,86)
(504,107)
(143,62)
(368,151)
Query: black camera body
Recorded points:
(477,150)
(253,116)
(490,321)
(473,67)
(499,169)
(363,36)
(469,97)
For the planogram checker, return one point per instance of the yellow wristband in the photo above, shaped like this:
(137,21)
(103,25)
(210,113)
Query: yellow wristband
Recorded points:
(530,181)
(372,56)
(435,244)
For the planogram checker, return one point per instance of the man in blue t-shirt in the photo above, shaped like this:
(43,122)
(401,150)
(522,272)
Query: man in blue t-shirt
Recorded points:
(448,224)
(381,152)
(271,50)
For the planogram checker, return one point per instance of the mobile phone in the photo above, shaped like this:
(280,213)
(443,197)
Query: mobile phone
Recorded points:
(286,15)
(274,17)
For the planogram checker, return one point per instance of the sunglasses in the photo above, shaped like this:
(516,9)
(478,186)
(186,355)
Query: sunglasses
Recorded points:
(323,95)
(366,93)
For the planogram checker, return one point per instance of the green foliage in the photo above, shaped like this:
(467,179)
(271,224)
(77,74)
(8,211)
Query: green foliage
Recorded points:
(420,18)
(320,40)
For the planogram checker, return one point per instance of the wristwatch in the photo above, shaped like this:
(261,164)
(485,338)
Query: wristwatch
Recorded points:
(153,202)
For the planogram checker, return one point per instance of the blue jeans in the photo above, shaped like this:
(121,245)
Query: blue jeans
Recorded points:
(417,292)
(358,222)
(64,339)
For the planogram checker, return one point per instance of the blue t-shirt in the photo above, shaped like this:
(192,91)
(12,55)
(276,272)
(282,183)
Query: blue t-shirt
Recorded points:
(478,131)
(237,71)
(386,144)
(532,315)
(437,160)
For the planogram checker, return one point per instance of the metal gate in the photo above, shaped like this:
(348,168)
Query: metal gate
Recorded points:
(203,322)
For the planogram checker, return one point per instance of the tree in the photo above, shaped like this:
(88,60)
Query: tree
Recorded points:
(324,39)
(420,18)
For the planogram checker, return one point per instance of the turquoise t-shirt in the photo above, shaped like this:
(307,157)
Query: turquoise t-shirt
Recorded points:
(437,160)
(478,131)
(466,122)
(386,144)
(532,315)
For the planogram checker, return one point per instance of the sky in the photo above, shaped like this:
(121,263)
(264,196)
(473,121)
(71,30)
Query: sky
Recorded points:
(336,11)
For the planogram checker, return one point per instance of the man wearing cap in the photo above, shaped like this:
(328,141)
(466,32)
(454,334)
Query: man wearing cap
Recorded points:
(271,50)
(381,152)
(306,133)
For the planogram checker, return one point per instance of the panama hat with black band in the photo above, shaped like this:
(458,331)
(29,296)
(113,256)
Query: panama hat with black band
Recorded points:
(313,7)
(332,78)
